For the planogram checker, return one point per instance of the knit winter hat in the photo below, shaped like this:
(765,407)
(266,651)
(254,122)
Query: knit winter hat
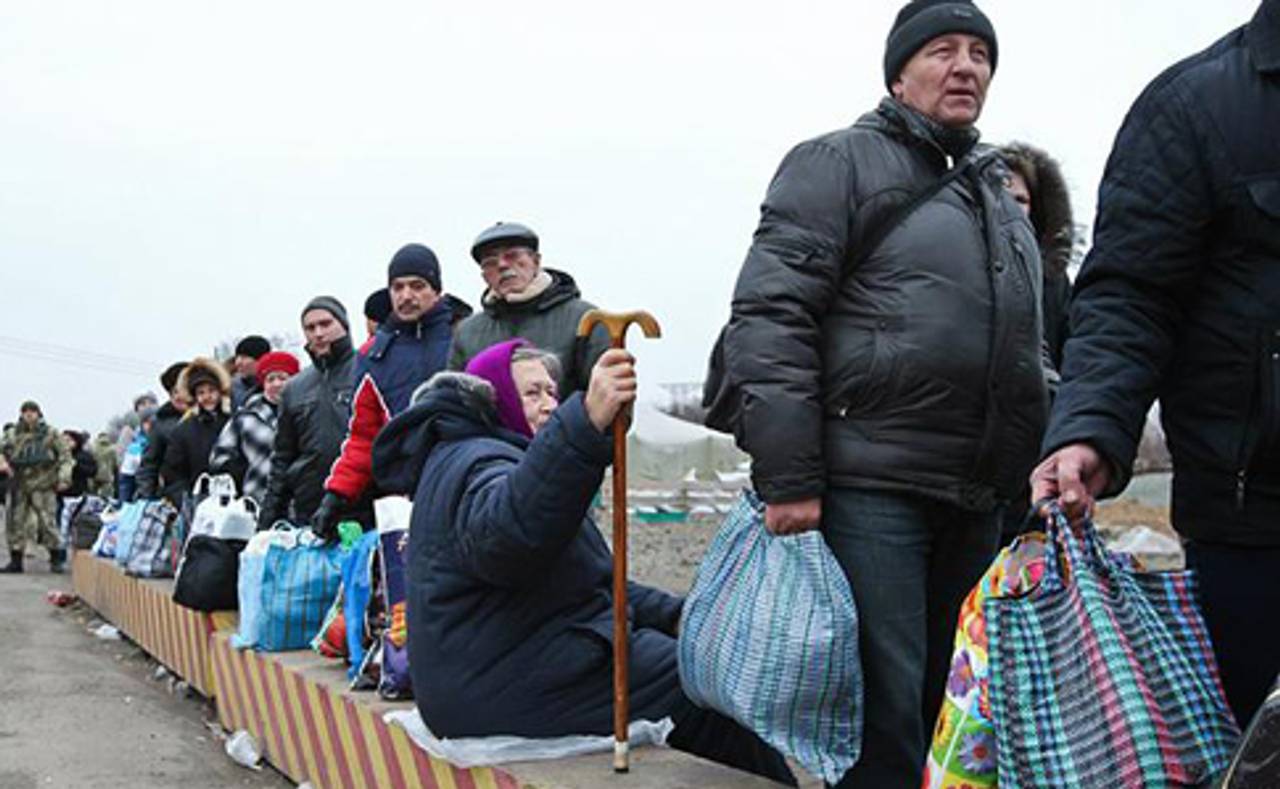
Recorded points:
(31,405)
(253,346)
(378,306)
(169,378)
(276,362)
(415,260)
(921,21)
(330,305)
(493,364)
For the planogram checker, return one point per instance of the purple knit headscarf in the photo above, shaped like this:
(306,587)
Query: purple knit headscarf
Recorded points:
(493,364)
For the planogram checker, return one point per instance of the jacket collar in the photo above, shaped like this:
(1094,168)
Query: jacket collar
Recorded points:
(339,351)
(918,127)
(1263,37)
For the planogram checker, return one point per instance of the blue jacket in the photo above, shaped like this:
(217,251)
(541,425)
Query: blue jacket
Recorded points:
(401,357)
(510,624)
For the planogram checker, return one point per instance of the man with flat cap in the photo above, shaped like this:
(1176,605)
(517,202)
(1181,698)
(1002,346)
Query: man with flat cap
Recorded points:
(524,299)
(883,367)
(410,346)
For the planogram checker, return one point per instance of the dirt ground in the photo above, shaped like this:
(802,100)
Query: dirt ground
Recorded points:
(666,555)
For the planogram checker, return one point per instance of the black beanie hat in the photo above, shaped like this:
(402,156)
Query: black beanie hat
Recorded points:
(330,305)
(921,21)
(378,306)
(415,260)
(253,346)
(169,378)
(31,405)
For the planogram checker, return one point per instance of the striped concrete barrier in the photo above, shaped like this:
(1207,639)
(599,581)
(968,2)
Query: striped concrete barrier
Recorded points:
(143,609)
(312,728)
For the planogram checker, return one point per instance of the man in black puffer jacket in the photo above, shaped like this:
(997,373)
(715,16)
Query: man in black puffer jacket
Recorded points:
(1180,299)
(893,393)
(314,411)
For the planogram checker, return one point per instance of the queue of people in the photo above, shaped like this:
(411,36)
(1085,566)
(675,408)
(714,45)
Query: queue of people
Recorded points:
(904,347)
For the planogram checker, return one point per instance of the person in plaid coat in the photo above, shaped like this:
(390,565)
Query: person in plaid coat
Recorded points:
(243,449)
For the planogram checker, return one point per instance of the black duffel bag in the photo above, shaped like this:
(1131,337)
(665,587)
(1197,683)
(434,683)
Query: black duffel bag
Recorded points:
(84,530)
(208,574)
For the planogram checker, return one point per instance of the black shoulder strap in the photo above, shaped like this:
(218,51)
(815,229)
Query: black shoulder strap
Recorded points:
(877,234)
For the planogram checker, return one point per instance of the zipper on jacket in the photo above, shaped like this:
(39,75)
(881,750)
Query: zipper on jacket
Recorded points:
(1242,476)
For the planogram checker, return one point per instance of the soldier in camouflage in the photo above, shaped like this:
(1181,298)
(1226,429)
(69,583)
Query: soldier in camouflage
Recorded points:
(41,467)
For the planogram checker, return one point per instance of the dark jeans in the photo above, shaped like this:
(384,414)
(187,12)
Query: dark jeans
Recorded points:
(910,561)
(1238,592)
(128,485)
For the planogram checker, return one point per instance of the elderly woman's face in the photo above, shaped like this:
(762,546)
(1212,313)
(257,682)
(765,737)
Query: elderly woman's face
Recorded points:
(537,391)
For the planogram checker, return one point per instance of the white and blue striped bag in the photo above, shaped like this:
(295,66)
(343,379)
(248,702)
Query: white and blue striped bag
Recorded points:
(769,637)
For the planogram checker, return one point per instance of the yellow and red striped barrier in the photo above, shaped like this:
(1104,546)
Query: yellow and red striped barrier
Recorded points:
(312,728)
(144,610)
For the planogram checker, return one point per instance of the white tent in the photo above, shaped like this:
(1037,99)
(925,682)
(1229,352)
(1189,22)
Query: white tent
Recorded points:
(661,448)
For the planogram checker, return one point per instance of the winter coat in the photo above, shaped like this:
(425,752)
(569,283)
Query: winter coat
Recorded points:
(509,592)
(40,460)
(1180,294)
(400,358)
(84,469)
(315,408)
(148,474)
(243,388)
(548,321)
(243,449)
(920,370)
(186,455)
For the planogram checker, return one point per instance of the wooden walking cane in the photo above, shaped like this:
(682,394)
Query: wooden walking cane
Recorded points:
(617,325)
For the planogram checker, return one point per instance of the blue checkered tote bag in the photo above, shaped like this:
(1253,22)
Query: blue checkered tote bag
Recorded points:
(299,584)
(1105,676)
(154,544)
(769,637)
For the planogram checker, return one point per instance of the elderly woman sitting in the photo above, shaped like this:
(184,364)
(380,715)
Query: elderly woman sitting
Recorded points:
(509,599)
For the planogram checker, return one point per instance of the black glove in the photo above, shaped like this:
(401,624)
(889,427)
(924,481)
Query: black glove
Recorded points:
(325,520)
(267,519)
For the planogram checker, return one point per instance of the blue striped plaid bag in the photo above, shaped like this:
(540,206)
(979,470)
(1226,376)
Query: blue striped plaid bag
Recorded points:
(1105,676)
(769,637)
(299,584)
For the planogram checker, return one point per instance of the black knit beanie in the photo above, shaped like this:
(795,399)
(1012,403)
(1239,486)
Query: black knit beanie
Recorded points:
(169,378)
(378,306)
(253,346)
(415,260)
(921,21)
(330,305)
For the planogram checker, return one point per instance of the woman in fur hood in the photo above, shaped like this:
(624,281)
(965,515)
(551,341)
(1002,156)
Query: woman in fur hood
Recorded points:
(208,387)
(1037,184)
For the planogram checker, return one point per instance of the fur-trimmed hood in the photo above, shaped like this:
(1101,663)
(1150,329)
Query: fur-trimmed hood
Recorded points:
(1051,215)
(204,367)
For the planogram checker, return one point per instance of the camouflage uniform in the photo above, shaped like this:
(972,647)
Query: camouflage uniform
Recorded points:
(104,484)
(41,464)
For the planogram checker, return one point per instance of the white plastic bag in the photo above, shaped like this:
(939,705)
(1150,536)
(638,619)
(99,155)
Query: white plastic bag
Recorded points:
(221,513)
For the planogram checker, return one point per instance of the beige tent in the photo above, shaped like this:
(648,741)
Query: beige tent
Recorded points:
(661,448)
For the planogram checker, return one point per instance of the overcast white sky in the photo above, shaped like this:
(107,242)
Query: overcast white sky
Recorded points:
(177,173)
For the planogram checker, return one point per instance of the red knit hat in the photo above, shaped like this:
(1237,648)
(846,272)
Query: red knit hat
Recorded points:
(276,362)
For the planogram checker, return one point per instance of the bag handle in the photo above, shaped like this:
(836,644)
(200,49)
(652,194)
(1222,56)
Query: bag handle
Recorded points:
(1075,549)
(203,482)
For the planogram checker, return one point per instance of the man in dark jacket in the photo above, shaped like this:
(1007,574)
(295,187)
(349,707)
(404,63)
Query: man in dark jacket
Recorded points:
(509,598)
(245,363)
(1180,298)
(891,389)
(147,479)
(314,411)
(410,346)
(523,299)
